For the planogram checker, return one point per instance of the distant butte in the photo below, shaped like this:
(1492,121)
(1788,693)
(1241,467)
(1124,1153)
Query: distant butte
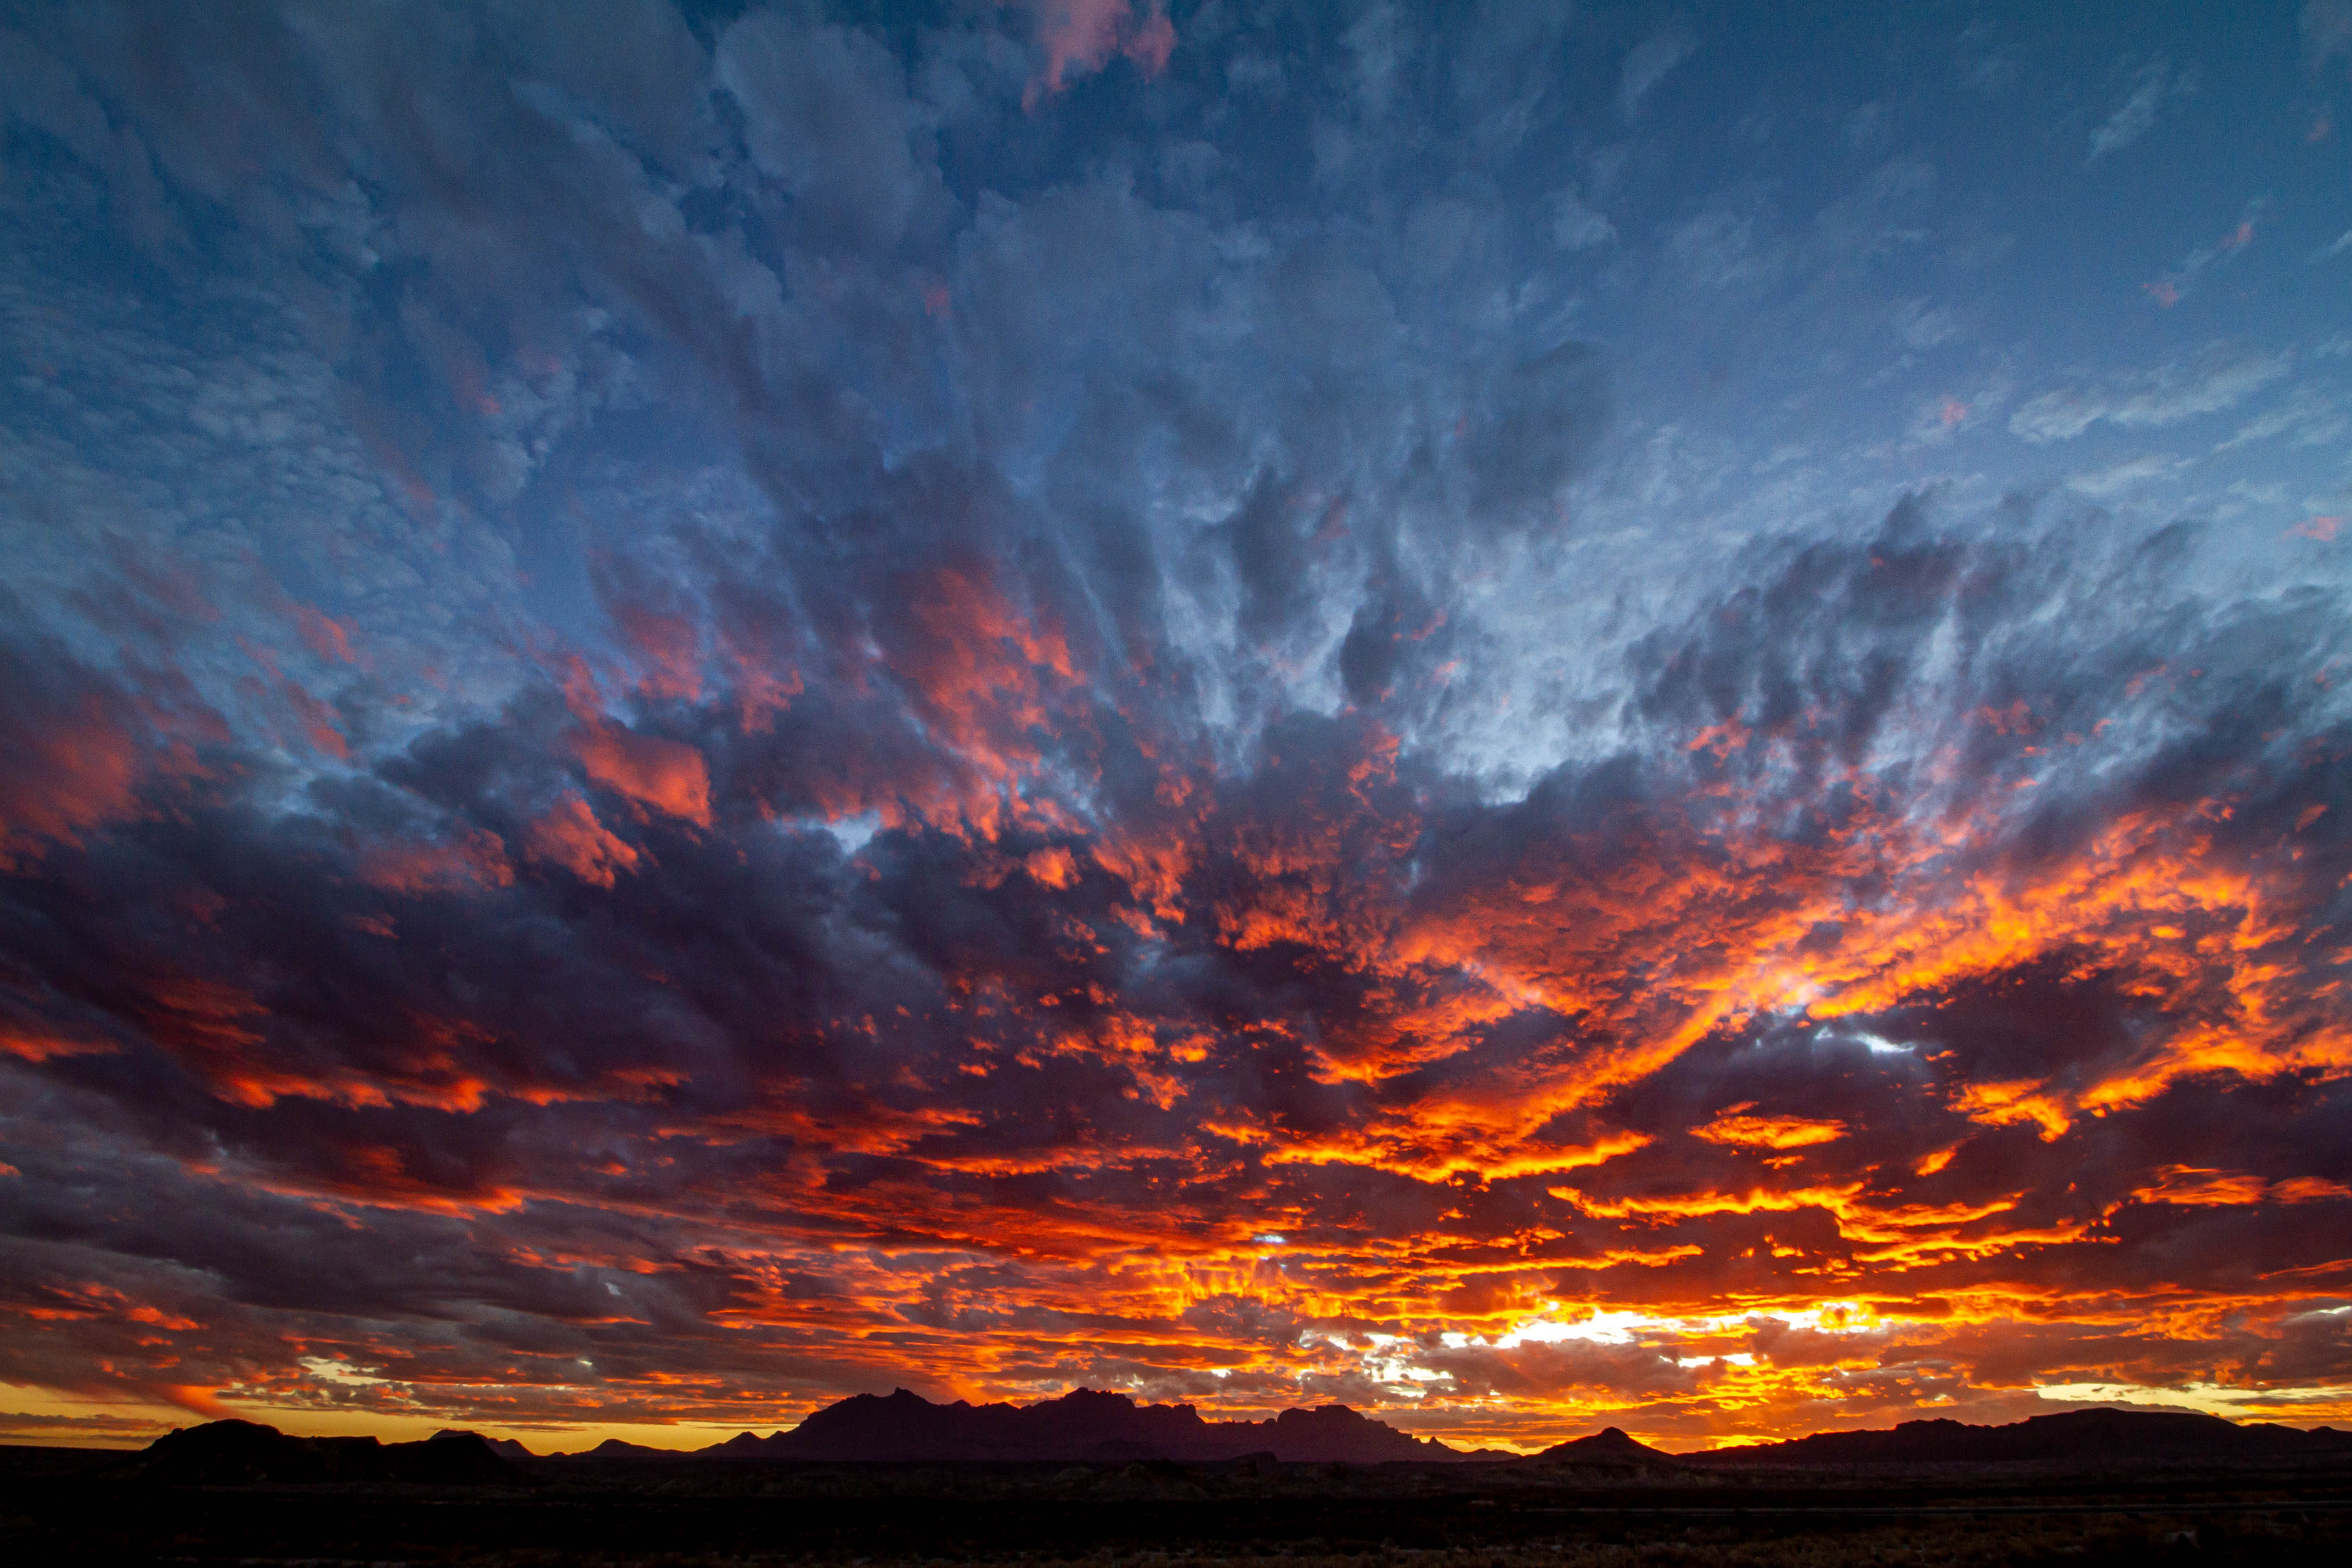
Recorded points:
(247,1453)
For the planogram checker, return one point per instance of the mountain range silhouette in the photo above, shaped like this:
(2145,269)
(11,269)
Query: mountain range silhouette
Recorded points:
(1092,1427)
(245,1453)
(2071,1435)
(1088,1424)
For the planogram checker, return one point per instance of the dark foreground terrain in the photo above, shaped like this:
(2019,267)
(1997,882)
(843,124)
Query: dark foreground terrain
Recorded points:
(81,1506)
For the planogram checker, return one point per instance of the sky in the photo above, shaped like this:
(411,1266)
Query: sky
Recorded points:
(1531,717)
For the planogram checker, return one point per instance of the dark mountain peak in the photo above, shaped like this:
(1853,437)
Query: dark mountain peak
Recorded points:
(1321,1414)
(1610,1446)
(1097,1399)
(505,1448)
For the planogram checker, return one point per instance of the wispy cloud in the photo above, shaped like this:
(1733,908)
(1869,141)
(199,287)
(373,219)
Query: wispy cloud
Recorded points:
(2326,27)
(2219,379)
(1576,227)
(2126,476)
(2182,280)
(2151,86)
(1648,63)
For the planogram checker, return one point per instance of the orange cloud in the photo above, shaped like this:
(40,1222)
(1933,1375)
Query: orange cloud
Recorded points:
(1052,867)
(70,769)
(476,859)
(2187,1186)
(1768,1132)
(30,1045)
(646,770)
(570,835)
(2008,1103)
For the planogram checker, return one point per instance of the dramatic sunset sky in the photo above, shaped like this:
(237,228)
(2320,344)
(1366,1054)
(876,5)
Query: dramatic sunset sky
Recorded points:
(1529,716)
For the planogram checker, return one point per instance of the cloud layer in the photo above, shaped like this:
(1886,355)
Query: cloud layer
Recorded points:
(704,712)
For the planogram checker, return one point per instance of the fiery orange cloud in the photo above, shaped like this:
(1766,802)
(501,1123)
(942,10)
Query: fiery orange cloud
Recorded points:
(2189,1187)
(2008,1103)
(1434,981)
(773,749)
(2147,897)
(1730,1126)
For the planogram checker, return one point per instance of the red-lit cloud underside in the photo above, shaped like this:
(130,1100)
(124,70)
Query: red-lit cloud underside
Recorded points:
(1808,1058)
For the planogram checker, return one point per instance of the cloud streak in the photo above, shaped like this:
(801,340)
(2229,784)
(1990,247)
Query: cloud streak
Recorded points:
(2136,116)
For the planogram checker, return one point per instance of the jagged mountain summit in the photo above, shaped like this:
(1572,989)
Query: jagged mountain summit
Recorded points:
(1088,1424)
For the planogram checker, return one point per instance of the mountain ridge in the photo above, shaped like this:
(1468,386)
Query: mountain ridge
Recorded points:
(1094,1426)
(247,1453)
(1085,1424)
(2132,1435)
(1090,1426)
